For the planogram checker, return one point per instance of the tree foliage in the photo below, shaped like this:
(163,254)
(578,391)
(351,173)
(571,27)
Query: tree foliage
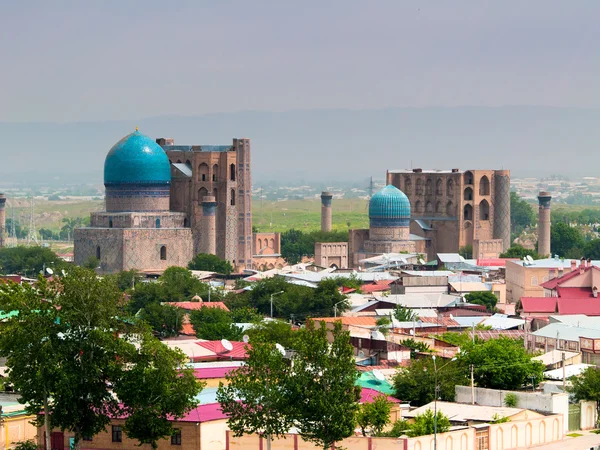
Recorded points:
(416,383)
(566,241)
(485,298)
(28,260)
(210,263)
(315,391)
(296,244)
(404,314)
(272,332)
(165,320)
(415,347)
(373,416)
(214,324)
(71,346)
(466,251)
(424,424)
(518,251)
(501,363)
(586,386)
(522,214)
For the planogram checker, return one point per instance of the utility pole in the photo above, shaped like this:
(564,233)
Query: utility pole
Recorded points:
(564,373)
(472,386)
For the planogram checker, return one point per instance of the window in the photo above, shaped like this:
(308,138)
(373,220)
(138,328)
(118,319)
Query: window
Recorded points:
(429,187)
(203,172)
(110,223)
(232,201)
(98,252)
(419,187)
(438,187)
(215,170)
(468,194)
(87,438)
(468,177)
(176,437)
(117,434)
(484,186)
(484,210)
(202,192)
(450,188)
(157,223)
(468,212)
(163,253)
(232,172)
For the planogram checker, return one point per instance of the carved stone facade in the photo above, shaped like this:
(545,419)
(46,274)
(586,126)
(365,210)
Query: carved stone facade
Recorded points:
(267,251)
(329,254)
(454,208)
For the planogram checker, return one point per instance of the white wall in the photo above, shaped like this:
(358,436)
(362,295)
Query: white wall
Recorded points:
(557,403)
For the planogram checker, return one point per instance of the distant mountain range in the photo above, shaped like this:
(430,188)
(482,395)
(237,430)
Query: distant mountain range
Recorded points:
(321,145)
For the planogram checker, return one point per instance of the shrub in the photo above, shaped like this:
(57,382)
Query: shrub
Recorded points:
(511,400)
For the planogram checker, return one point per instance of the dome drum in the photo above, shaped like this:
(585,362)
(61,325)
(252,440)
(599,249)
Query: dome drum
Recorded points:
(389,208)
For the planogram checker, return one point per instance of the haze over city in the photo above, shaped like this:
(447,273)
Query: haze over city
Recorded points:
(317,86)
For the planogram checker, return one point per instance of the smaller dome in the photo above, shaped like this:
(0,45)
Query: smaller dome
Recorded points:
(389,207)
(137,159)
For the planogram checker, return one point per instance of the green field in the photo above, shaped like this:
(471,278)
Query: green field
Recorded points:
(304,215)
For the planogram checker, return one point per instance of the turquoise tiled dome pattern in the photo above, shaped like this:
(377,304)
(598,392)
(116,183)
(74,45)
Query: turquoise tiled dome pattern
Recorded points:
(389,207)
(136,159)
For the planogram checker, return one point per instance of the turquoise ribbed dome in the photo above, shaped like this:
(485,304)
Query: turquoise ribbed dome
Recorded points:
(137,159)
(389,207)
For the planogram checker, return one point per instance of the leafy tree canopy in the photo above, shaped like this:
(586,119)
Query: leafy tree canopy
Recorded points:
(29,261)
(518,251)
(416,384)
(373,416)
(214,324)
(273,332)
(404,314)
(165,320)
(295,243)
(586,386)
(210,263)
(485,298)
(522,214)
(566,241)
(424,424)
(501,363)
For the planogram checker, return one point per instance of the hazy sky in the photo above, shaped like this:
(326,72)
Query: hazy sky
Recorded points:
(82,60)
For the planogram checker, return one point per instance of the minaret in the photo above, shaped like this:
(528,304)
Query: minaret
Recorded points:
(2,220)
(326,211)
(544,224)
(208,237)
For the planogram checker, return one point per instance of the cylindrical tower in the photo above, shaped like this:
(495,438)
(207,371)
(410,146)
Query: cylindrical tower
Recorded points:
(2,220)
(326,198)
(502,207)
(208,238)
(544,223)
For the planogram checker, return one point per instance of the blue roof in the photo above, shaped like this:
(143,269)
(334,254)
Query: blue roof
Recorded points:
(136,159)
(389,204)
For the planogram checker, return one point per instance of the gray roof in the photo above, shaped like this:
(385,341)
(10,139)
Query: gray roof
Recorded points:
(461,412)
(419,300)
(566,332)
(183,168)
(552,263)
(502,322)
(577,320)
(450,258)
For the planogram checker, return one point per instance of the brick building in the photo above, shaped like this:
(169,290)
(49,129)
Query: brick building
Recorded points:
(455,208)
(165,203)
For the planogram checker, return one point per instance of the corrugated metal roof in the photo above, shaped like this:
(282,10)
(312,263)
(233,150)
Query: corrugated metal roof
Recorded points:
(566,332)
(184,169)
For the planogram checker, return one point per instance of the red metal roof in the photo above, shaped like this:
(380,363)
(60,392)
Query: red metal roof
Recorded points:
(367,321)
(539,304)
(444,321)
(238,352)
(589,306)
(370,288)
(191,306)
(367,395)
(14,278)
(574,292)
(206,373)
(204,413)
(494,262)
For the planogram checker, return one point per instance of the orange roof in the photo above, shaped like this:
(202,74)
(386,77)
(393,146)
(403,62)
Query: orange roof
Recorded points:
(365,321)
(191,306)
(188,329)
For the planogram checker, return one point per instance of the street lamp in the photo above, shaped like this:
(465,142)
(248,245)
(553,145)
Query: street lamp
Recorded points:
(335,308)
(436,390)
(276,293)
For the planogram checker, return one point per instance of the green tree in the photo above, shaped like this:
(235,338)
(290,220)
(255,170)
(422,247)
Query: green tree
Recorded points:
(28,260)
(126,279)
(424,424)
(179,285)
(70,223)
(399,428)
(322,389)
(565,239)
(522,214)
(210,263)
(246,314)
(501,363)
(30,444)
(255,398)
(518,251)
(295,244)
(91,263)
(466,251)
(415,347)
(592,249)
(30,342)
(214,324)
(272,332)
(485,298)
(404,314)
(373,416)
(586,386)
(416,383)
(165,320)
(156,388)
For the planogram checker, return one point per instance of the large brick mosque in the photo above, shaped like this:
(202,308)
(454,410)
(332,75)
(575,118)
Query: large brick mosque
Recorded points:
(165,203)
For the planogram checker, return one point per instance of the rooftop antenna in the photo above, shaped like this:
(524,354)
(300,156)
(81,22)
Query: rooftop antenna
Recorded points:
(32,232)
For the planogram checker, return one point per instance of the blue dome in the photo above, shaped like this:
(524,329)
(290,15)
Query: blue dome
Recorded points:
(389,207)
(137,159)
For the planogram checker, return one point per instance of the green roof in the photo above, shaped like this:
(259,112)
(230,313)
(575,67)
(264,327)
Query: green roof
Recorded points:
(368,380)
